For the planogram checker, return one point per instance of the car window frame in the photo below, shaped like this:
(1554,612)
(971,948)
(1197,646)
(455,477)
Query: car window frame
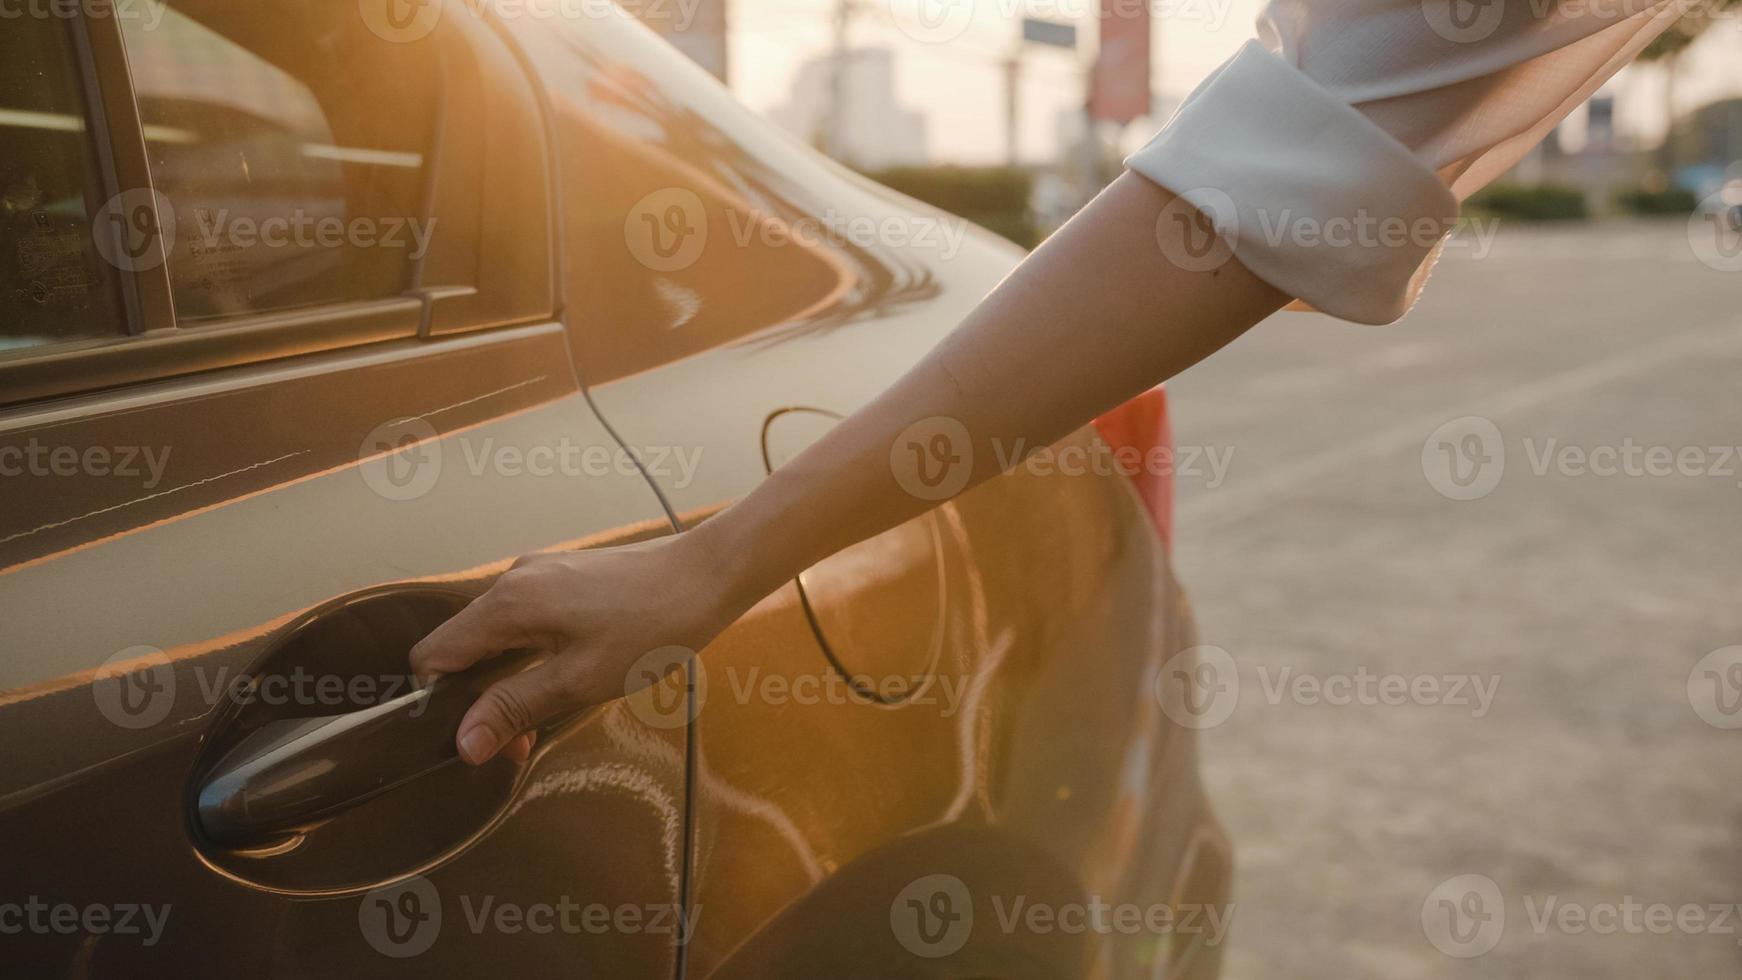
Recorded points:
(152,344)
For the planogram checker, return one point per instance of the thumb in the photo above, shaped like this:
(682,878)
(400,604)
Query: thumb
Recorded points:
(508,708)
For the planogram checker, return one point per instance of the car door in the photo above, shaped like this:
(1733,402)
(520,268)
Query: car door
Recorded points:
(281,389)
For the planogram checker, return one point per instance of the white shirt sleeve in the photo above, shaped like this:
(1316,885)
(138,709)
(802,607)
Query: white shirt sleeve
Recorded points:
(1333,152)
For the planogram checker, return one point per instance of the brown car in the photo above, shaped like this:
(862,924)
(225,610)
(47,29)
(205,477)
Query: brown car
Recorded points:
(313,317)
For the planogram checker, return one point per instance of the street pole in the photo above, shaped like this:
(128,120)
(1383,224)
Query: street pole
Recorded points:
(837,79)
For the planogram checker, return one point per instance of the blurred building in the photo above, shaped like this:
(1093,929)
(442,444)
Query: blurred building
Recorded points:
(1707,147)
(855,117)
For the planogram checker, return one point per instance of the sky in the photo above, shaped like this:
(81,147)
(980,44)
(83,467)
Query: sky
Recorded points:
(957,82)
(954,78)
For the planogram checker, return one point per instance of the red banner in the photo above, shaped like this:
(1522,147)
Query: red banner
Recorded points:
(1120,88)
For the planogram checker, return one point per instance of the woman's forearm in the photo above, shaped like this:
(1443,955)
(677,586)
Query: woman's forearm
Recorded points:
(1097,315)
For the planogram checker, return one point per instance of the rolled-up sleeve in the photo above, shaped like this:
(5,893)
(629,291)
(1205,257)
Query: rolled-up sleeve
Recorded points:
(1332,153)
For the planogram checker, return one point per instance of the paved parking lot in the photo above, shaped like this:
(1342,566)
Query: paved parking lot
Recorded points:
(1581,591)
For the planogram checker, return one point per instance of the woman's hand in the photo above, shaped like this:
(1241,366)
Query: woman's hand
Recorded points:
(595,613)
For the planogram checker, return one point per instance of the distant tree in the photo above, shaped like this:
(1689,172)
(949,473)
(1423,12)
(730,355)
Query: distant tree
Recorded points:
(1686,30)
(1668,49)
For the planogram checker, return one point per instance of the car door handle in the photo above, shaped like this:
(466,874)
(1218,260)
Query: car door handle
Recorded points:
(294,773)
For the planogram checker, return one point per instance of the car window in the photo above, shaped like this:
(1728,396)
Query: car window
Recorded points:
(54,284)
(292,151)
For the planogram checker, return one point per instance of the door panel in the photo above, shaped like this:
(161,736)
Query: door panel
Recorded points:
(136,596)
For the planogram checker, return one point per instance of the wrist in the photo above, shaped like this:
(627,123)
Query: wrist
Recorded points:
(722,574)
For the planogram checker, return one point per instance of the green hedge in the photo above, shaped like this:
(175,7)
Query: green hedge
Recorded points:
(1641,201)
(996,198)
(1532,202)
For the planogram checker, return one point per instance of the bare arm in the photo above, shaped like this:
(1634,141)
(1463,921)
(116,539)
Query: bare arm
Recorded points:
(1094,317)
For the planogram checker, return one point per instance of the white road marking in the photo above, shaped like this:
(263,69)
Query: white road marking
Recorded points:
(1235,502)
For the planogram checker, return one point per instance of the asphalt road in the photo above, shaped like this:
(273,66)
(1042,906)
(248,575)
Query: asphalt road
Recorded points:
(1584,812)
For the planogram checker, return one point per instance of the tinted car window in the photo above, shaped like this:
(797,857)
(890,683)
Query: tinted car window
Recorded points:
(292,150)
(54,285)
